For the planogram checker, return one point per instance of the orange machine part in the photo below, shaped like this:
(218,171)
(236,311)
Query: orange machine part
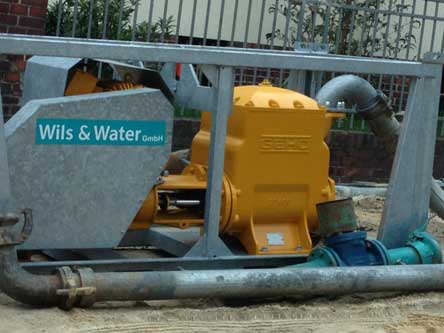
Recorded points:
(276,169)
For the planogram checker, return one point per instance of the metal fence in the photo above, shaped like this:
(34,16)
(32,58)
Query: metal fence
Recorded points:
(393,29)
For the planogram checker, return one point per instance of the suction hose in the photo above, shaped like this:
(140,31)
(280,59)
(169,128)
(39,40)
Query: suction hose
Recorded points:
(375,108)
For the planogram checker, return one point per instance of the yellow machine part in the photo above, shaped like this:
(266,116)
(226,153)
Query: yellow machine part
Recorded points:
(276,171)
(83,82)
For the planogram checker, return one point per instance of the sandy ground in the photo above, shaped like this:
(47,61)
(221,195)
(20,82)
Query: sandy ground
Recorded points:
(357,313)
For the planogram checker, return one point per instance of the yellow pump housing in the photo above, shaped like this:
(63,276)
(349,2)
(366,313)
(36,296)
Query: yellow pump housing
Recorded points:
(276,171)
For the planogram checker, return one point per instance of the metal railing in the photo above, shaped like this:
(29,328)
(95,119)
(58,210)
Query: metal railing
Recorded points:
(389,29)
(417,137)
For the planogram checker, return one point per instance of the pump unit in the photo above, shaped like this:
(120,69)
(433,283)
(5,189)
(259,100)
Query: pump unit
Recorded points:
(276,171)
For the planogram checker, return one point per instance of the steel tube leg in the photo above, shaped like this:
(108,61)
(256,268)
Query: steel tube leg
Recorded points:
(407,200)
(210,245)
(5,190)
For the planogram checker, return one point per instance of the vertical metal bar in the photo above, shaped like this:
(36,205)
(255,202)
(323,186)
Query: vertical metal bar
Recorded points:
(422,30)
(351,32)
(90,18)
(233,29)
(247,29)
(384,49)
(74,18)
(59,17)
(210,245)
(136,10)
(163,23)
(150,21)
(207,19)
(375,27)
(407,200)
(5,187)
(301,21)
(287,26)
(395,54)
(105,19)
(313,22)
(273,33)
(364,29)
(119,22)
(221,22)
(432,40)
(325,38)
(179,16)
(259,36)
(193,21)
(409,43)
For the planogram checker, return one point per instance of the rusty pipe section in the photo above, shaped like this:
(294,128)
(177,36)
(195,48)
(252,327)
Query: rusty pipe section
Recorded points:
(238,283)
(375,108)
(83,287)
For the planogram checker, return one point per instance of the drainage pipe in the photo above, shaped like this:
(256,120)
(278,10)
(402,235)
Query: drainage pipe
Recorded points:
(375,108)
(84,287)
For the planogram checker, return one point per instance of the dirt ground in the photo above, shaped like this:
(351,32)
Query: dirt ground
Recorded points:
(394,313)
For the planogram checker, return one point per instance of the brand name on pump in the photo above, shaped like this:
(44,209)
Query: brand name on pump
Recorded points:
(284,143)
(100,132)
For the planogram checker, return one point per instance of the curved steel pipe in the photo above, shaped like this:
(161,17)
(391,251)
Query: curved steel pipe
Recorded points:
(376,110)
(24,287)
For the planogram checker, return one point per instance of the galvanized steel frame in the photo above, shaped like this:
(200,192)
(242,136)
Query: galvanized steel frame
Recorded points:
(419,127)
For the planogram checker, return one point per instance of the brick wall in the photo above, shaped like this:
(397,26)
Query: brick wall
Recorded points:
(18,17)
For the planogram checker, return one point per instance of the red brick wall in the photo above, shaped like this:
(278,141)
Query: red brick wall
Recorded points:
(18,17)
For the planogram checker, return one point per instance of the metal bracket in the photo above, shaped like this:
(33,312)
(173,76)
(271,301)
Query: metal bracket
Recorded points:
(190,94)
(8,234)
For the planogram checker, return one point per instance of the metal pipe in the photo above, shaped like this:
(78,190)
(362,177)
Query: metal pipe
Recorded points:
(24,287)
(376,110)
(354,191)
(266,282)
(83,287)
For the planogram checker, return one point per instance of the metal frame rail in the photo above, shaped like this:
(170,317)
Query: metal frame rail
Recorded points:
(407,199)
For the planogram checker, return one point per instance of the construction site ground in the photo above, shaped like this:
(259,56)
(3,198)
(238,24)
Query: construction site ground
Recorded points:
(415,312)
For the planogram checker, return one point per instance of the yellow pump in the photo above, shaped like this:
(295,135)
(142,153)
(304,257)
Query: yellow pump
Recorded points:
(276,171)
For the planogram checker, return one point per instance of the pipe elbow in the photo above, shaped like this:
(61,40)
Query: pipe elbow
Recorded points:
(24,287)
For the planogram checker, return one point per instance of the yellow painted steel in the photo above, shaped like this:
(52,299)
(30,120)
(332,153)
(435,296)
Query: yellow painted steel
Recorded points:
(276,171)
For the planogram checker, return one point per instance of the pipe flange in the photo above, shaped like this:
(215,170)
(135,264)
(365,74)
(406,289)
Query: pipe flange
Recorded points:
(77,287)
(67,293)
(87,281)
(375,107)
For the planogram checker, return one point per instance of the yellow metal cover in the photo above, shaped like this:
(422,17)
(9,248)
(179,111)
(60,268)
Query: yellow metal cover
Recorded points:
(277,165)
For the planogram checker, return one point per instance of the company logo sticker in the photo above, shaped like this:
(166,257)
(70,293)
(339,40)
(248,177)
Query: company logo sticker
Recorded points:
(50,131)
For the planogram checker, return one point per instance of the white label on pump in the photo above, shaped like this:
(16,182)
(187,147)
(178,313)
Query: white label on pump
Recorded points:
(275,238)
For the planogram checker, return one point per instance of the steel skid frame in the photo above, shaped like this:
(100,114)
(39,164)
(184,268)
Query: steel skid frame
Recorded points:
(407,201)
